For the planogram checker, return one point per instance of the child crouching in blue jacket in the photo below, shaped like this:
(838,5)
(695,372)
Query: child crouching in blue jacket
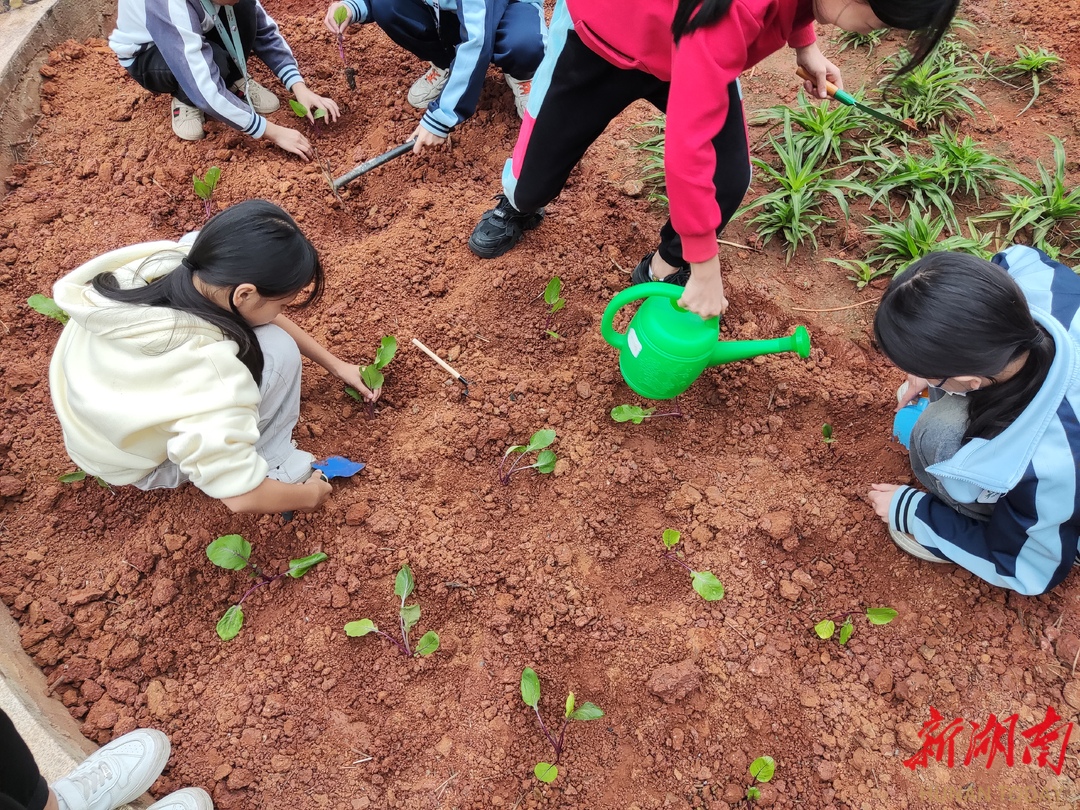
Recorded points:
(460,38)
(999,450)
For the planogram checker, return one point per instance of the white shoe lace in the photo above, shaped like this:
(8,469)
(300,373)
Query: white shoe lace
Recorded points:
(89,782)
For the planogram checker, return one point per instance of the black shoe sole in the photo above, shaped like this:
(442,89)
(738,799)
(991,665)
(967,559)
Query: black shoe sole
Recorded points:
(494,251)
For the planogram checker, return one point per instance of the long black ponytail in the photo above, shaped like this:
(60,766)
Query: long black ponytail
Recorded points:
(951,315)
(253,242)
(708,13)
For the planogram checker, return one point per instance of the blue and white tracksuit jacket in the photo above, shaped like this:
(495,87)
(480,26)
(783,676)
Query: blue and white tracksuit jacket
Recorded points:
(1030,470)
(479,20)
(178,28)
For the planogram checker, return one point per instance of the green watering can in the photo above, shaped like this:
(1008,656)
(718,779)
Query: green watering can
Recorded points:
(666,347)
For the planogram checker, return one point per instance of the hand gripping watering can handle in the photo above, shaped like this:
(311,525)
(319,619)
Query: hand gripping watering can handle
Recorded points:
(629,295)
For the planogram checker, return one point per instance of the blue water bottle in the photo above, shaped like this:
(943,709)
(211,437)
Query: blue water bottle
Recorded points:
(906,417)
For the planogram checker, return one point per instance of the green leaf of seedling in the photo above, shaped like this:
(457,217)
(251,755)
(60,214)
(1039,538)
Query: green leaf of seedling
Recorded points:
(352,392)
(552,290)
(587,711)
(43,305)
(72,477)
(341,14)
(202,190)
(671,537)
(708,586)
(410,615)
(360,628)
(752,794)
(372,377)
(570,704)
(517,448)
(762,769)
(825,628)
(546,772)
(386,352)
(298,108)
(551,333)
(880,615)
(297,568)
(846,629)
(428,643)
(213,174)
(228,626)
(545,461)
(530,687)
(558,305)
(826,433)
(319,113)
(540,440)
(230,552)
(631,413)
(101,482)
(404,583)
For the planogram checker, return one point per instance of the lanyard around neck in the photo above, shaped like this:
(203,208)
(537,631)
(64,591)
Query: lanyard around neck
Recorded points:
(230,38)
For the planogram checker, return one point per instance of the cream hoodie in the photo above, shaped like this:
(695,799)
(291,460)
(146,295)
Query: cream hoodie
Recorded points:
(136,385)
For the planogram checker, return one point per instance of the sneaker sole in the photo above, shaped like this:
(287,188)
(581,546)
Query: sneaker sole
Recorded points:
(494,253)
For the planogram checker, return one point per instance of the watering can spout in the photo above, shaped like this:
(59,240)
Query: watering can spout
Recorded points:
(732,350)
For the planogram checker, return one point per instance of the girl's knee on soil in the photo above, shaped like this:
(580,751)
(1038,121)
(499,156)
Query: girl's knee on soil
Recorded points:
(179,364)
(1000,464)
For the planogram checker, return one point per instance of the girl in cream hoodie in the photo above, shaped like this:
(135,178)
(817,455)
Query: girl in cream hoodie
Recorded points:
(178,364)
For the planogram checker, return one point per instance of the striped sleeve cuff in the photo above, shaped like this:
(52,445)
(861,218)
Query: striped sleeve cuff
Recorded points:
(257,128)
(434,125)
(290,75)
(358,11)
(902,508)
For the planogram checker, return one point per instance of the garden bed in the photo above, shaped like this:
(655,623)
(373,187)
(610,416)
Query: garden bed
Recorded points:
(562,573)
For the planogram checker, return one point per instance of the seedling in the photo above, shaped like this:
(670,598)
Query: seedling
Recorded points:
(408,616)
(372,375)
(302,112)
(704,582)
(826,434)
(530,693)
(43,305)
(761,771)
(554,302)
(862,273)
(903,241)
(652,164)
(545,459)
(204,187)
(341,16)
(1031,63)
(637,414)
(853,40)
(232,552)
(937,89)
(826,628)
(828,124)
(80,475)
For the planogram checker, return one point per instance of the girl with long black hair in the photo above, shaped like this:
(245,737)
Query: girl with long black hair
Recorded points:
(178,365)
(684,57)
(999,448)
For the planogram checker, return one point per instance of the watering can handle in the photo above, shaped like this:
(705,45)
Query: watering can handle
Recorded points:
(629,295)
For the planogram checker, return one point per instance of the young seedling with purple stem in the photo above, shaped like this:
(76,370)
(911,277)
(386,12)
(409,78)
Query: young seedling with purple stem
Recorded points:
(408,616)
(204,188)
(554,302)
(637,414)
(80,475)
(545,459)
(530,693)
(761,770)
(341,16)
(827,627)
(232,552)
(302,112)
(372,375)
(704,582)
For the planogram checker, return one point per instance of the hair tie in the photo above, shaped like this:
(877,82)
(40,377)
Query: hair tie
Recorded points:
(189,264)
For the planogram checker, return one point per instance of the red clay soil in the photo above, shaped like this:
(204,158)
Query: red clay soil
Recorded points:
(117,601)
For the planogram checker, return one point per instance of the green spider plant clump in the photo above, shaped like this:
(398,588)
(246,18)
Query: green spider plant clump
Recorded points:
(651,170)
(826,122)
(1034,64)
(935,91)
(900,242)
(793,209)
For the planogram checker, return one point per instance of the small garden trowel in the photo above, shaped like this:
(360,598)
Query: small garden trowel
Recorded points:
(846,98)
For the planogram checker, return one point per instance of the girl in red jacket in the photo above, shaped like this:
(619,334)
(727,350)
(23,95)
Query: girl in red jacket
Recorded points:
(685,57)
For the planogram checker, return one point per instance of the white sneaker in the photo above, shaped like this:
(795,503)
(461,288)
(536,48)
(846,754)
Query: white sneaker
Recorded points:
(908,543)
(115,774)
(187,122)
(427,88)
(262,100)
(185,799)
(521,88)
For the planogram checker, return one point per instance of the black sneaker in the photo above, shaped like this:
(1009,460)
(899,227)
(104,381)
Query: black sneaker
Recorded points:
(641,273)
(501,228)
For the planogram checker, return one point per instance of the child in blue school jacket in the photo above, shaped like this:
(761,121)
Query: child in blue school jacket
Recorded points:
(999,449)
(460,38)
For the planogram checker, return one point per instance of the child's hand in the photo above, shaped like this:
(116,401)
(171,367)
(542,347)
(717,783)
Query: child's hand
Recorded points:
(332,24)
(288,139)
(880,496)
(349,374)
(915,387)
(318,486)
(813,61)
(421,137)
(314,102)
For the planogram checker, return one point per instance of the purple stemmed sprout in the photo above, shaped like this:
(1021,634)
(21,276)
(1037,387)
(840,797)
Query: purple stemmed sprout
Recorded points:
(408,616)
(530,694)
